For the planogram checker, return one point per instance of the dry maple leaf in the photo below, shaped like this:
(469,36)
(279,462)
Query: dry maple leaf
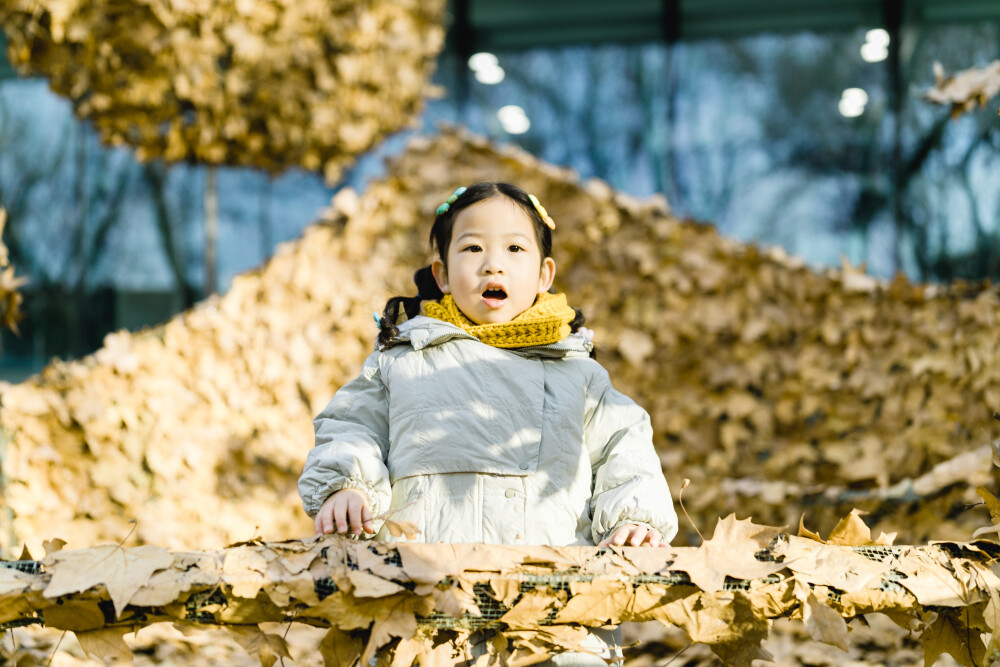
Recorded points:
(400,528)
(265,646)
(122,570)
(397,618)
(730,552)
(340,649)
(950,634)
(602,601)
(52,546)
(105,643)
(824,623)
(992,504)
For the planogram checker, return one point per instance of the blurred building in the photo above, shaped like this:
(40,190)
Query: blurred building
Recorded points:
(796,124)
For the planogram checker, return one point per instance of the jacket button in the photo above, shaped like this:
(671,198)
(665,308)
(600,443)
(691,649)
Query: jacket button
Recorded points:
(525,465)
(510,493)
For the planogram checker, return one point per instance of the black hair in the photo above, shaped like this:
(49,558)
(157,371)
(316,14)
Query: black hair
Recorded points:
(440,239)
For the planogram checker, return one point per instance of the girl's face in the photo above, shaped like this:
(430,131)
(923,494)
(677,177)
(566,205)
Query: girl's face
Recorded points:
(495,269)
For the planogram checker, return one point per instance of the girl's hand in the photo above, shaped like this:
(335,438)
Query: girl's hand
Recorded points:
(631,534)
(345,508)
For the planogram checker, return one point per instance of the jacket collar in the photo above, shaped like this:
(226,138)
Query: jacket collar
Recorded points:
(422,331)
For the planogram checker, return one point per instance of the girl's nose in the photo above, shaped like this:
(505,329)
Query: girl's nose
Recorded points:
(492,265)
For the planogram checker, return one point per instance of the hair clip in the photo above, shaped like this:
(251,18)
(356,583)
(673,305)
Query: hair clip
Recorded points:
(549,222)
(443,208)
(378,320)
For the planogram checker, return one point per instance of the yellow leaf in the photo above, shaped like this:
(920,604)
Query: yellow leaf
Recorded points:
(267,647)
(730,552)
(339,649)
(52,546)
(122,570)
(949,634)
(398,528)
(823,623)
(851,531)
(991,503)
(105,643)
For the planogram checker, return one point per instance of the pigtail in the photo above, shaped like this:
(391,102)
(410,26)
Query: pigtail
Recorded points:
(575,325)
(427,290)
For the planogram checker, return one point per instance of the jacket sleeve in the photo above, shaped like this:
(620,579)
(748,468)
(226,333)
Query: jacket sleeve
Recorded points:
(629,486)
(352,442)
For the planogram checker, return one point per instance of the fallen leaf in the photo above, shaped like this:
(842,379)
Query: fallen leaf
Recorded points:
(851,531)
(730,552)
(75,615)
(601,601)
(534,606)
(428,563)
(823,623)
(340,649)
(244,568)
(123,570)
(369,586)
(830,565)
(106,643)
(52,546)
(949,634)
(931,579)
(396,618)
(400,528)
(992,504)
(265,646)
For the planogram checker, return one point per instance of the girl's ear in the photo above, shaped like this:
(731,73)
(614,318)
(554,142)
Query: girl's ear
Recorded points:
(440,275)
(547,275)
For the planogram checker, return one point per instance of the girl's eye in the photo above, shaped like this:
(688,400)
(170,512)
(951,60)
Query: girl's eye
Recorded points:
(472,248)
(516,248)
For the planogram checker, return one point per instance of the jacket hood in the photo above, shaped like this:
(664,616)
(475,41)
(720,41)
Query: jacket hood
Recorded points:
(423,331)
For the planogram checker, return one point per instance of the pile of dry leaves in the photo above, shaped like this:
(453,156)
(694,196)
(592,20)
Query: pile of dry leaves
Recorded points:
(777,389)
(408,602)
(263,83)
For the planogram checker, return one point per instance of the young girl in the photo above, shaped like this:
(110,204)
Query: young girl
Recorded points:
(481,415)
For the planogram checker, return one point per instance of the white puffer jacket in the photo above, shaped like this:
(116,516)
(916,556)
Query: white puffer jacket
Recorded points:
(480,444)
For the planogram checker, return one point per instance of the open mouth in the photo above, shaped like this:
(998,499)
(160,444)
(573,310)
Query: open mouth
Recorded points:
(494,297)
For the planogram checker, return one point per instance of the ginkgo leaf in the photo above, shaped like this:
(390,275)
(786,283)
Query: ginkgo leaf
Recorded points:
(123,570)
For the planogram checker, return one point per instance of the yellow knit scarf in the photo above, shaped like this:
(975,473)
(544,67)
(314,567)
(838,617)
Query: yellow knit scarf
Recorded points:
(545,322)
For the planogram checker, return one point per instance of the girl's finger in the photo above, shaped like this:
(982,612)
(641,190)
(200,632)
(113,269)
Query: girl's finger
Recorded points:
(638,535)
(325,519)
(340,516)
(620,536)
(366,517)
(654,537)
(316,522)
(354,508)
